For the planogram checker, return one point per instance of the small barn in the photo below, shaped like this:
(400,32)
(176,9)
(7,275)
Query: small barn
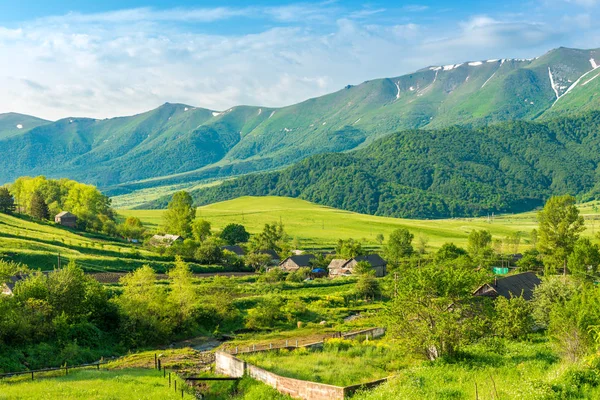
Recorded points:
(294,263)
(516,285)
(342,267)
(67,219)
(165,240)
(235,249)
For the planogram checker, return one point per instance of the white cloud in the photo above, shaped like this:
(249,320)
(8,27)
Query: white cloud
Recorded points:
(129,61)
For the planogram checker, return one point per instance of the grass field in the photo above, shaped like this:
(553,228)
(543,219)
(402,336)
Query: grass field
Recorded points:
(318,226)
(39,244)
(98,385)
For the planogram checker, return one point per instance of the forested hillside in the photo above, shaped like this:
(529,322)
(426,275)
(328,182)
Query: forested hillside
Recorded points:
(176,143)
(456,171)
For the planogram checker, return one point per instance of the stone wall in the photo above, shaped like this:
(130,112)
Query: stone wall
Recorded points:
(226,364)
(296,388)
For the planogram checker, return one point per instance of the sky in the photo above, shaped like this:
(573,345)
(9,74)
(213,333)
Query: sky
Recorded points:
(111,58)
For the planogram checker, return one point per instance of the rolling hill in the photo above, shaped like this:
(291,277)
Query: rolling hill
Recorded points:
(440,173)
(177,143)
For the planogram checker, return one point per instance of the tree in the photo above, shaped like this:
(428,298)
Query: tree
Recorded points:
(399,246)
(348,248)
(530,261)
(257,261)
(367,286)
(552,292)
(180,214)
(422,246)
(38,207)
(559,227)
(273,237)
(7,202)
(234,234)
(479,242)
(183,294)
(201,229)
(584,259)
(209,252)
(379,238)
(132,229)
(513,317)
(449,252)
(434,312)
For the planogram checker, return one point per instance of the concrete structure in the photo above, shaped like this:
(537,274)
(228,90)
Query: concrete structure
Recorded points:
(67,219)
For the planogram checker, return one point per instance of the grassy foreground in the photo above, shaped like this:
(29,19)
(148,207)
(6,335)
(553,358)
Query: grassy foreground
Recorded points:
(90,384)
(320,226)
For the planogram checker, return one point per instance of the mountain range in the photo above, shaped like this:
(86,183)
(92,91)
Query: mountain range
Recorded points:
(178,143)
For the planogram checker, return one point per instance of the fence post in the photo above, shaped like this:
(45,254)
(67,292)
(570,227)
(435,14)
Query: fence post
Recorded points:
(253,347)
(270,345)
(159,366)
(155,361)
(182,393)
(175,383)
(98,365)
(31,375)
(236,350)
(66,369)
(169,379)
(164,372)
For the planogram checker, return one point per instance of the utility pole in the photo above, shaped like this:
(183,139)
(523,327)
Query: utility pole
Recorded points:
(58,260)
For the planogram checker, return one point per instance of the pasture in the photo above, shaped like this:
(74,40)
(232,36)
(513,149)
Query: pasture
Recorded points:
(318,226)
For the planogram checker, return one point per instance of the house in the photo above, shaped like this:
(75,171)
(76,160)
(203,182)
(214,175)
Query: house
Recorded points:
(511,286)
(165,240)
(343,267)
(237,250)
(294,263)
(67,219)
(273,254)
(9,287)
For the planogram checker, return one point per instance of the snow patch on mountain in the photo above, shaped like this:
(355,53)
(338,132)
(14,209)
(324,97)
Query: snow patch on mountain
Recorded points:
(259,111)
(475,63)
(397,87)
(593,62)
(553,84)
(489,79)
(19,126)
(215,114)
(273,113)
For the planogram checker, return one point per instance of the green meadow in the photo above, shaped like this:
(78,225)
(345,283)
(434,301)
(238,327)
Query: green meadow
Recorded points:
(39,245)
(321,227)
(139,384)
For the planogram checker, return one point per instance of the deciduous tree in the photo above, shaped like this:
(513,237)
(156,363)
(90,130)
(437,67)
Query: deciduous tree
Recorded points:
(180,214)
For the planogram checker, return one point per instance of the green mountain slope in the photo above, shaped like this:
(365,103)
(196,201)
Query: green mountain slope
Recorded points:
(449,172)
(13,124)
(177,143)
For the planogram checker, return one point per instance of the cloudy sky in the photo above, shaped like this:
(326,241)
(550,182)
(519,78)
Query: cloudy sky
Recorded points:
(72,58)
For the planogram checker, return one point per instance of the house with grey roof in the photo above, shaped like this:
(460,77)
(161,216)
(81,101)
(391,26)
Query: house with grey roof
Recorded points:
(518,285)
(344,267)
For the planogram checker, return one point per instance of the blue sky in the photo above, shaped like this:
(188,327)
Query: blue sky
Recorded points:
(110,58)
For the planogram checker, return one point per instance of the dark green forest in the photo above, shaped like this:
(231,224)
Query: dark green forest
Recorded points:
(450,172)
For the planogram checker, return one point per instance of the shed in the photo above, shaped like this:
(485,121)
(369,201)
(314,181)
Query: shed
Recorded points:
(273,254)
(516,285)
(294,263)
(67,219)
(235,249)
